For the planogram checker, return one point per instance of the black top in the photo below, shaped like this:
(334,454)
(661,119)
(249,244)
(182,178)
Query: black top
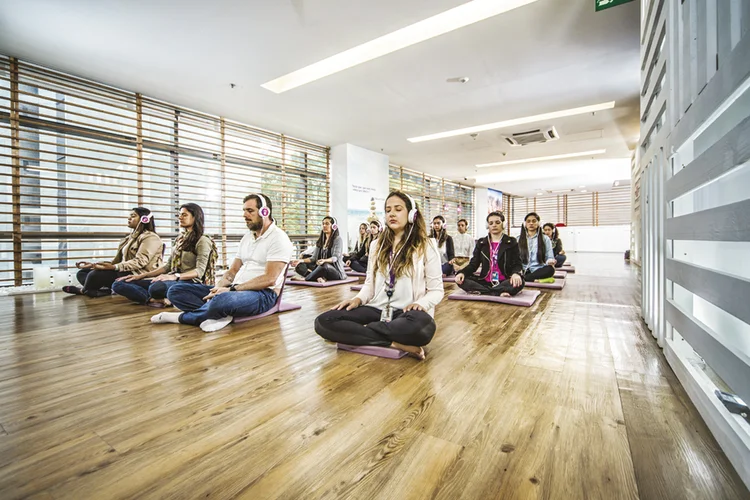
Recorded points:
(557,247)
(508,258)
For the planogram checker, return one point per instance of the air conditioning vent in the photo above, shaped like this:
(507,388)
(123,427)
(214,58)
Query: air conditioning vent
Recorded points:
(537,136)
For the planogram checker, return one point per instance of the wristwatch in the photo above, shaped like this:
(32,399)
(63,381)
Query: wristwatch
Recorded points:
(177,275)
(232,287)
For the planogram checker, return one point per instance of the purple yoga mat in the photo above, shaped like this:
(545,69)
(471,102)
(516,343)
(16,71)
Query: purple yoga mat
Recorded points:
(557,285)
(567,269)
(449,279)
(371,350)
(355,288)
(280,309)
(560,275)
(322,285)
(355,273)
(524,298)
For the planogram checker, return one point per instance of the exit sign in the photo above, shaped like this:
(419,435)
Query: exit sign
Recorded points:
(606,4)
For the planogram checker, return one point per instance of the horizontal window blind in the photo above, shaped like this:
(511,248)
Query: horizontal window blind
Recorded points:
(606,208)
(76,156)
(435,195)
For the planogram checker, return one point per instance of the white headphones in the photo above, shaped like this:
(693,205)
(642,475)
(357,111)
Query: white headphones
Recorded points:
(145,219)
(335,224)
(413,212)
(264,211)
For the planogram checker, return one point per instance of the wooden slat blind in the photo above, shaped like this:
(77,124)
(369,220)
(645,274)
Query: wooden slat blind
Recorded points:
(435,195)
(606,208)
(87,153)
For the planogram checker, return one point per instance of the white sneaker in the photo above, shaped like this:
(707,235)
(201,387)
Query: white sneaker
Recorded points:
(212,325)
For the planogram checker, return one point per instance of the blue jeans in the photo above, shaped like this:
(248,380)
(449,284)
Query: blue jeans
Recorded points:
(448,269)
(187,296)
(246,303)
(141,291)
(560,258)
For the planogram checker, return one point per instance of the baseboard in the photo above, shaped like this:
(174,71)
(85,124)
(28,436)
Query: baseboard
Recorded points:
(728,429)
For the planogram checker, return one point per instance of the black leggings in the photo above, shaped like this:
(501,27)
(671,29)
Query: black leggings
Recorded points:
(477,284)
(98,283)
(312,272)
(359,265)
(540,274)
(362,326)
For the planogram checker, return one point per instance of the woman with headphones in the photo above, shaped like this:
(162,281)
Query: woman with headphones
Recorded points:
(396,305)
(500,259)
(327,261)
(193,260)
(445,244)
(140,252)
(358,261)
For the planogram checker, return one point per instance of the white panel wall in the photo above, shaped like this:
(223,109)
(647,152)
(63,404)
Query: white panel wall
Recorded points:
(595,238)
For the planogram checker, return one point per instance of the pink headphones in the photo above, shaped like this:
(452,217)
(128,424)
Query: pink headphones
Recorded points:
(145,219)
(264,211)
(335,224)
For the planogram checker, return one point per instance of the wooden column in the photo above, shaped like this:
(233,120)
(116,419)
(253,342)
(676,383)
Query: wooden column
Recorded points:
(223,208)
(15,145)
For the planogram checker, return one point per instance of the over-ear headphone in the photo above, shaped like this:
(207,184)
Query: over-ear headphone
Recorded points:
(335,224)
(413,212)
(145,219)
(264,211)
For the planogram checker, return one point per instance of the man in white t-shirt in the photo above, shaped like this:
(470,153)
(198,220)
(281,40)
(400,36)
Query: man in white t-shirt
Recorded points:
(463,246)
(252,283)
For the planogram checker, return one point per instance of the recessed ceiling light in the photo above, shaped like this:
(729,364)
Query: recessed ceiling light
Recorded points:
(584,190)
(539,194)
(581,187)
(445,22)
(544,158)
(516,121)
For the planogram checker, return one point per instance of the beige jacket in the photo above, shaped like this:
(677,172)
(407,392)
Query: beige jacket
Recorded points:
(142,256)
(426,278)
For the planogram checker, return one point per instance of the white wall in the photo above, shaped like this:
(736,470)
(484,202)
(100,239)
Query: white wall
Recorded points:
(359,177)
(595,238)
(480,212)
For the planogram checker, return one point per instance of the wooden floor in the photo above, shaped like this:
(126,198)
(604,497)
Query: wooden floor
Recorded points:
(569,399)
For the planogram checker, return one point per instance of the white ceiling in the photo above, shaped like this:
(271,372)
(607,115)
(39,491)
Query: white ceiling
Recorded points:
(548,56)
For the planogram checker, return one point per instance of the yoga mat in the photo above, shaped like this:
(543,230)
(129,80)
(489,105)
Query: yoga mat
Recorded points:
(560,275)
(371,350)
(322,285)
(524,298)
(567,269)
(557,285)
(355,288)
(284,307)
(449,279)
(355,273)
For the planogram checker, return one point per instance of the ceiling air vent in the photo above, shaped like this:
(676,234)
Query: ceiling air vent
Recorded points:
(538,136)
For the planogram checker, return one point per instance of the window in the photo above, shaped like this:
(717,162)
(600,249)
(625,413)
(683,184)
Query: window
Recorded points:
(88,153)
(435,196)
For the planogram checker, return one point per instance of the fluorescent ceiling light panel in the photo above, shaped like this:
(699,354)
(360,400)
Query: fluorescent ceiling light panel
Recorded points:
(516,121)
(445,22)
(544,158)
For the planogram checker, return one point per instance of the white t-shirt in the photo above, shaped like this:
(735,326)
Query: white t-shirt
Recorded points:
(403,293)
(463,245)
(273,246)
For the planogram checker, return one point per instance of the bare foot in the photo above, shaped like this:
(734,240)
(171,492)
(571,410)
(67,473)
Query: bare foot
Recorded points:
(505,294)
(413,350)
(297,277)
(321,280)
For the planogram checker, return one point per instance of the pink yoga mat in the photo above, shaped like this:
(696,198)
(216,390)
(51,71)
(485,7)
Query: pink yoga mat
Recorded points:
(280,309)
(524,298)
(355,273)
(557,285)
(322,285)
(371,350)
(560,275)
(567,269)
(449,279)
(355,288)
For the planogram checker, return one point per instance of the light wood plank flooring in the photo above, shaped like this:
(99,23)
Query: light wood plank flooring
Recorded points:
(569,399)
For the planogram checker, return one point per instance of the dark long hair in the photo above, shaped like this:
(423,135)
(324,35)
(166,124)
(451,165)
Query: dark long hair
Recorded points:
(195,234)
(321,243)
(151,226)
(555,233)
(443,233)
(415,242)
(371,237)
(523,242)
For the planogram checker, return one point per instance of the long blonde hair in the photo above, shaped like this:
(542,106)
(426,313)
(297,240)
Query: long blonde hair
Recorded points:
(415,241)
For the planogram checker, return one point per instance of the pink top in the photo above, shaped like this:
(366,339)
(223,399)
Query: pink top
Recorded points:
(494,268)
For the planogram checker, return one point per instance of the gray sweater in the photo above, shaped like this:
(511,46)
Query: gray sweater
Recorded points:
(337,252)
